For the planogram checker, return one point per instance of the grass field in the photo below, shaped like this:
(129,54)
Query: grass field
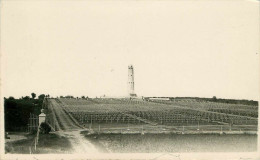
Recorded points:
(136,143)
(49,143)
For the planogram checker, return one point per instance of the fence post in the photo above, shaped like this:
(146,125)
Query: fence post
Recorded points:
(35,140)
(91,120)
(30,123)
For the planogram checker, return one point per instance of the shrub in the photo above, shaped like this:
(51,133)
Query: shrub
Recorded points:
(45,128)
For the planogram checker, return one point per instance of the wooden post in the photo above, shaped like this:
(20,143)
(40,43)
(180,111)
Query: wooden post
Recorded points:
(54,124)
(28,126)
(32,122)
(35,144)
(30,119)
(52,121)
(91,120)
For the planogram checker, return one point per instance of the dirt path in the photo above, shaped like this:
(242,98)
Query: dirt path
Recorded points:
(71,130)
(79,143)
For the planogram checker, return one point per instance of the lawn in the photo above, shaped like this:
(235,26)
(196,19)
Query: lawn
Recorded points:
(48,143)
(148,143)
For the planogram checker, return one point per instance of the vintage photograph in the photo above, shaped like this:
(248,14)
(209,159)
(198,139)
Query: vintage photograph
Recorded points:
(161,79)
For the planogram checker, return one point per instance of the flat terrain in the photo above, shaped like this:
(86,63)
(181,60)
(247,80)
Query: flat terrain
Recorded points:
(161,143)
(23,143)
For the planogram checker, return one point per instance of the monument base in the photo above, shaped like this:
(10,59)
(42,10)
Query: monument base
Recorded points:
(133,95)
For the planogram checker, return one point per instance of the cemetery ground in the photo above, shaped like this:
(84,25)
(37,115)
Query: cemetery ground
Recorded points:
(123,126)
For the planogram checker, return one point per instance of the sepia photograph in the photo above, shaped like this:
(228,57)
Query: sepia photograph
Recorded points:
(129,79)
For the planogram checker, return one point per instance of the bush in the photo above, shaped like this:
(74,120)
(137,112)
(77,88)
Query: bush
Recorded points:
(45,128)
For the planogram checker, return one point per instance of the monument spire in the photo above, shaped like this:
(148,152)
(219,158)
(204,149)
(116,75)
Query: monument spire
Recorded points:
(131,83)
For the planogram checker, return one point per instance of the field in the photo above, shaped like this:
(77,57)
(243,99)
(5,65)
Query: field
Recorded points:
(22,143)
(161,143)
(115,115)
(132,126)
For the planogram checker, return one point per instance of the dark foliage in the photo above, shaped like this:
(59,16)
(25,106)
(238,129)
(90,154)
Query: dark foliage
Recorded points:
(17,112)
(69,96)
(26,97)
(33,95)
(11,98)
(45,128)
(42,96)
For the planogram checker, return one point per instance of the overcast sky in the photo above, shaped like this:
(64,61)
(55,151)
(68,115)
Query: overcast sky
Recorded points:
(202,49)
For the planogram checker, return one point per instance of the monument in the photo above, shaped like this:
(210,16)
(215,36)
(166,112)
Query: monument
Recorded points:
(131,83)
(42,117)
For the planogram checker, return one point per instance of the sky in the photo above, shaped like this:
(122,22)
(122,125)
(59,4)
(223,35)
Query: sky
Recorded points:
(177,48)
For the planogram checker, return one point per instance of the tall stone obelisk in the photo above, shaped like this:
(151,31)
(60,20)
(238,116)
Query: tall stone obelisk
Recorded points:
(131,83)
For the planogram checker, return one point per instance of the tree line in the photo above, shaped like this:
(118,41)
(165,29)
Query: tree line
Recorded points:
(17,111)
(214,99)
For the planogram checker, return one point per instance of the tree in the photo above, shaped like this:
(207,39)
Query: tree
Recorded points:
(42,96)
(17,112)
(33,95)
(26,97)
(11,98)
(45,128)
(83,97)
